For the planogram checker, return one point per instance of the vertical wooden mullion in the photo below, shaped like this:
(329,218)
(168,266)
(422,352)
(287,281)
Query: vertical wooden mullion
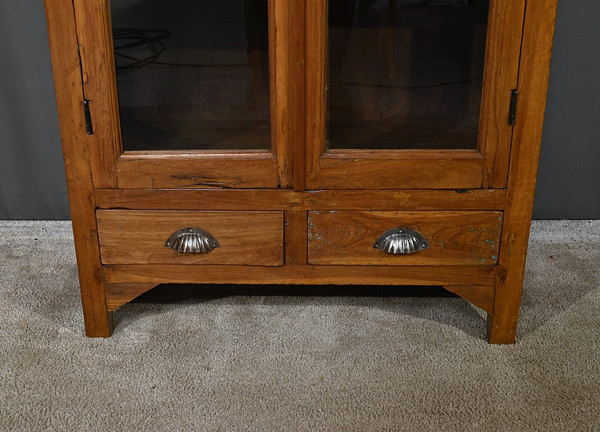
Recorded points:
(316,64)
(299,116)
(280,60)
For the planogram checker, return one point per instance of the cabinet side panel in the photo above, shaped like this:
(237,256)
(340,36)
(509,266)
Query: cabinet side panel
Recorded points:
(69,97)
(533,83)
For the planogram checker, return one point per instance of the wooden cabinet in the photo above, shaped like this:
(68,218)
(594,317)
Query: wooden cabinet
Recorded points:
(301,142)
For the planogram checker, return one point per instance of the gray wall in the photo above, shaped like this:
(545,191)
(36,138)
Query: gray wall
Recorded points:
(569,173)
(32,183)
(32,179)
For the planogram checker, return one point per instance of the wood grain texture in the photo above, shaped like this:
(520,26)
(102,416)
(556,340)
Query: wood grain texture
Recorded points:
(295,237)
(533,82)
(299,113)
(118,295)
(401,169)
(211,199)
(447,276)
(316,81)
(282,94)
(138,237)
(455,238)
(505,25)
(75,142)
(236,170)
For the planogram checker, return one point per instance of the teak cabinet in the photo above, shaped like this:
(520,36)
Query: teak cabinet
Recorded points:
(301,142)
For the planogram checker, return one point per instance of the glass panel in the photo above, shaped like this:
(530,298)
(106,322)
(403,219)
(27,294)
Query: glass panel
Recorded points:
(192,75)
(405,74)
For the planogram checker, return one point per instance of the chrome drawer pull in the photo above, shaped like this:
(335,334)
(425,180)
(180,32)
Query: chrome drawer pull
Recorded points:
(192,241)
(401,241)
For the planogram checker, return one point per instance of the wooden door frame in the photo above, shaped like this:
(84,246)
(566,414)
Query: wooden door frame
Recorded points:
(486,167)
(112,168)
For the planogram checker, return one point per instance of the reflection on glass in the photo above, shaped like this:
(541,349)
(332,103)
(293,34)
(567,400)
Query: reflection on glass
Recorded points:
(192,74)
(405,74)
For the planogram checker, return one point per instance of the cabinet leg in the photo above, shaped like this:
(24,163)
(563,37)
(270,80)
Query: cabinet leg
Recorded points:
(98,319)
(98,325)
(502,328)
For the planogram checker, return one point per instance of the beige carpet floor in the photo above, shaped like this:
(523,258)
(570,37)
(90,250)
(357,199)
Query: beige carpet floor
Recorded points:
(298,359)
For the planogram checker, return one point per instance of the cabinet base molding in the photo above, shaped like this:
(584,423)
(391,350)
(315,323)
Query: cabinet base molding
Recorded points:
(118,295)
(482,296)
(446,276)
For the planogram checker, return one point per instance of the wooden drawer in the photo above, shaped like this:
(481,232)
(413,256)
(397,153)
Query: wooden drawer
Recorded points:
(454,237)
(139,236)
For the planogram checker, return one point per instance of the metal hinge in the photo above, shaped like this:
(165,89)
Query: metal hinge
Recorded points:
(512,116)
(88,117)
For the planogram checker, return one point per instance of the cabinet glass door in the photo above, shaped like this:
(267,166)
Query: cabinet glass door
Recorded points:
(188,95)
(192,75)
(414,93)
(405,75)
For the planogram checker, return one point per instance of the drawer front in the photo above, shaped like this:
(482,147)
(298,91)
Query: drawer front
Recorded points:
(139,237)
(454,238)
